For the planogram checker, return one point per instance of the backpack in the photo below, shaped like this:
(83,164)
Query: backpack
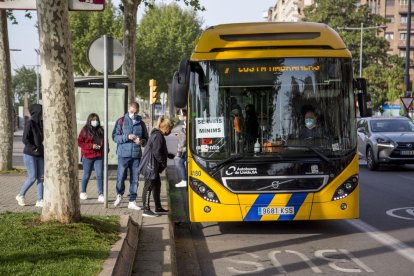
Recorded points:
(122,119)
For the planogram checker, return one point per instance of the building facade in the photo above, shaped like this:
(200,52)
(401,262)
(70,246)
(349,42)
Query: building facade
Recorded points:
(395,11)
(288,10)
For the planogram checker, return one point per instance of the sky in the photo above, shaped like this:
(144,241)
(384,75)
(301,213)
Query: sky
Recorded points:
(24,38)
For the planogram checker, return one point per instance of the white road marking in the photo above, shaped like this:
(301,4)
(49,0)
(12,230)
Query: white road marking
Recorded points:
(399,247)
(409,210)
(406,177)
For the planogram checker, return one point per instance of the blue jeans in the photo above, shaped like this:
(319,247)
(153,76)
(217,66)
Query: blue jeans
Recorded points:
(35,169)
(125,163)
(88,164)
(182,168)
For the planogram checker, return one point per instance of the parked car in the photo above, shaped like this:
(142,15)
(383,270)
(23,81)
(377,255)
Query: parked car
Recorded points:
(386,141)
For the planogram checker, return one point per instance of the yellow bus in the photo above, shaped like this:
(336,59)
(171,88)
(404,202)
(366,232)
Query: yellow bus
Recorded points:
(271,124)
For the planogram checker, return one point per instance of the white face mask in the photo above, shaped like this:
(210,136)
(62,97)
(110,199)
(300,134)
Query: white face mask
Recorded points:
(131,115)
(94,123)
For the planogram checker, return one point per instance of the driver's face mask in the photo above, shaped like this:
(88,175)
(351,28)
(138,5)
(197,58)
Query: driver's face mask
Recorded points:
(309,122)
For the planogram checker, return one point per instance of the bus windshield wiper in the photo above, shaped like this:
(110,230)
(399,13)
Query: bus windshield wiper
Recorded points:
(227,161)
(320,154)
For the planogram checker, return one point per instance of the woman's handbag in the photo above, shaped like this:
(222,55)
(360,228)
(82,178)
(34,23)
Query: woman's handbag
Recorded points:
(148,166)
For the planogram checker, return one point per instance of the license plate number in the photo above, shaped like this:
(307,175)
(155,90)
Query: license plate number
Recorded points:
(407,152)
(276,210)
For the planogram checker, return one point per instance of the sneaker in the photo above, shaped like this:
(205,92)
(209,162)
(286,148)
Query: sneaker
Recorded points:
(83,196)
(20,200)
(101,198)
(181,184)
(133,205)
(118,200)
(161,211)
(149,213)
(39,203)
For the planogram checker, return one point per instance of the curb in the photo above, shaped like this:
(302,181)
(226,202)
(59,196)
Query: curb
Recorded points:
(173,255)
(122,255)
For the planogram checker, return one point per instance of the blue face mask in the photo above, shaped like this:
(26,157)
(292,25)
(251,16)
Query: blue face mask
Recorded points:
(309,122)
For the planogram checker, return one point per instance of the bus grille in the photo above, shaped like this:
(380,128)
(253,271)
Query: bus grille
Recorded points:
(280,184)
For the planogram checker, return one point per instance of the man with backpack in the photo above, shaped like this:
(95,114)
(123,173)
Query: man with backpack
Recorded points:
(130,134)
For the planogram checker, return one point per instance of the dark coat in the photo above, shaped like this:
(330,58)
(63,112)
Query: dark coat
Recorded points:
(154,159)
(33,132)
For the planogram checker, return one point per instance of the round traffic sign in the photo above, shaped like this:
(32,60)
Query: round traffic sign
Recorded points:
(115,54)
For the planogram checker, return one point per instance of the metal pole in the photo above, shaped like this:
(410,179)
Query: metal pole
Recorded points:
(360,51)
(407,50)
(106,121)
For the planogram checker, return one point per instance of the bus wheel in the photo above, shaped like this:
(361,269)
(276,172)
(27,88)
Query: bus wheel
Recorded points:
(372,165)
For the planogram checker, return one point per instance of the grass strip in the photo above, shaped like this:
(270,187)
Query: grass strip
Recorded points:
(30,247)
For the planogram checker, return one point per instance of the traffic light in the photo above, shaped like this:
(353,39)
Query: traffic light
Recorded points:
(153,91)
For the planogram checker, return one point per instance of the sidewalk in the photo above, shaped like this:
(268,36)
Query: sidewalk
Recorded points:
(153,256)
(155,253)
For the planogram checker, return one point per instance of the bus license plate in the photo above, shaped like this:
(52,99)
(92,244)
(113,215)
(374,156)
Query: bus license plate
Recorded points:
(276,210)
(407,152)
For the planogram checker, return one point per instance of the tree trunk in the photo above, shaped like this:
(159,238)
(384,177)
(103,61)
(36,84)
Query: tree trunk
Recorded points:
(130,27)
(61,186)
(6,98)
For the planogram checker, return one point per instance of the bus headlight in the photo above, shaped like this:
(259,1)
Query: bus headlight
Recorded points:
(346,188)
(203,190)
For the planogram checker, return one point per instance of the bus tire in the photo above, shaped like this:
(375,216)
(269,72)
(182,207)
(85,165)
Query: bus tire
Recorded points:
(371,163)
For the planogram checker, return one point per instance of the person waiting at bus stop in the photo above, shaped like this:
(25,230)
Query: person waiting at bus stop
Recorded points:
(181,155)
(91,142)
(154,162)
(130,134)
(33,155)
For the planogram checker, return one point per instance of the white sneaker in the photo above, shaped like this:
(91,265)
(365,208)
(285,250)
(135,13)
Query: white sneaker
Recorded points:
(133,205)
(83,196)
(101,198)
(181,184)
(118,200)
(39,203)
(20,200)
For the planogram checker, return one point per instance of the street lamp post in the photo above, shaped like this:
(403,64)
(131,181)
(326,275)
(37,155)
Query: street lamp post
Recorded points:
(361,29)
(407,53)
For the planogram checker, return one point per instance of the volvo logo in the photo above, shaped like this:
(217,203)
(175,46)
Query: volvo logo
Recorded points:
(409,145)
(275,184)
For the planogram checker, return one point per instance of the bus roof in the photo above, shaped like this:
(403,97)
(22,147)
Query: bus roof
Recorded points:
(268,36)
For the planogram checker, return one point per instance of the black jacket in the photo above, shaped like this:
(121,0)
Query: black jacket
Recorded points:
(159,149)
(33,132)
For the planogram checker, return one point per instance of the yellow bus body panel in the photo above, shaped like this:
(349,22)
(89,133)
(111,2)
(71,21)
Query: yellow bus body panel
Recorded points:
(269,40)
(244,207)
(249,202)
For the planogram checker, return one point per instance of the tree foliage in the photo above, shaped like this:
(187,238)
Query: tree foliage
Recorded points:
(385,81)
(339,14)
(165,35)
(86,27)
(24,81)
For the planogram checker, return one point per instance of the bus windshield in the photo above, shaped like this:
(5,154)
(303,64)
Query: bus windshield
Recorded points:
(284,107)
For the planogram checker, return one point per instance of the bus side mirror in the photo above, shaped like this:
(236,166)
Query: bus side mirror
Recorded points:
(180,84)
(364,98)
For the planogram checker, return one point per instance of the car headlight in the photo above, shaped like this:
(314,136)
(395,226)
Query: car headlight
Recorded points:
(346,188)
(203,190)
(382,142)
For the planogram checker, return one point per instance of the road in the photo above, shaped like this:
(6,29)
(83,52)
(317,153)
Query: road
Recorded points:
(381,242)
